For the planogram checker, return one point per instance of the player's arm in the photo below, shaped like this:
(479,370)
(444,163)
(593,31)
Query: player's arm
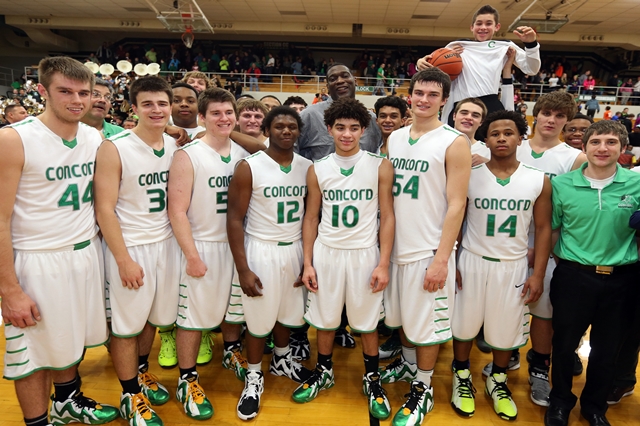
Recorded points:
(458,171)
(380,276)
(423,63)
(459,241)
(310,224)
(240,190)
(249,143)
(542,243)
(106,187)
(180,135)
(528,60)
(18,309)
(580,160)
(180,187)
(506,92)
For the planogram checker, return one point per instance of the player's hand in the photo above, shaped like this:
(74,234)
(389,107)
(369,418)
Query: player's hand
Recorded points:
(458,279)
(458,48)
(511,58)
(250,283)
(310,279)
(526,34)
(196,267)
(379,279)
(534,286)
(435,276)
(180,135)
(131,274)
(531,256)
(477,159)
(18,309)
(423,63)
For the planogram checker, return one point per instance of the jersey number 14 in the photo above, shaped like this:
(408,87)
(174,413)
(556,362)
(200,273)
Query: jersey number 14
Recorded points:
(508,226)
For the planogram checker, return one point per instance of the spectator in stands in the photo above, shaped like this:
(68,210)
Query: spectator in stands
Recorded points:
(636,93)
(151,55)
(553,83)
(617,116)
(296,102)
(584,76)
(627,121)
(634,138)
(607,113)
(627,159)
(401,70)
(270,102)
(14,113)
(592,106)
(224,64)
(104,54)
(589,84)
(270,68)
(130,123)
(254,73)
(380,80)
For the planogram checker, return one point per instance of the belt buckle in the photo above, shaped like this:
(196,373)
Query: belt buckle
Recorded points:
(604,270)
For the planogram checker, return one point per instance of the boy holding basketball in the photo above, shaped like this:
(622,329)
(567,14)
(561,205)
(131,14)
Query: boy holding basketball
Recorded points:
(483,60)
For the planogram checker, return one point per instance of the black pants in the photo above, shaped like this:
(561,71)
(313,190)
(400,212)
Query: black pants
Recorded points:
(581,299)
(591,113)
(628,356)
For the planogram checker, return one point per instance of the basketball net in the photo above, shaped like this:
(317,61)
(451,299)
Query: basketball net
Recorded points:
(187,36)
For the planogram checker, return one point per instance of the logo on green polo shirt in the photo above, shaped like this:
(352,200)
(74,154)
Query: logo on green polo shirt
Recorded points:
(627,201)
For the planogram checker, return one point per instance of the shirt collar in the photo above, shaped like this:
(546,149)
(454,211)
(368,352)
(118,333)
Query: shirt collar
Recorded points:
(580,180)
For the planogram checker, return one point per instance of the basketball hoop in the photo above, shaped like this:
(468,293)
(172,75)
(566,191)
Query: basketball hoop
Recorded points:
(188,37)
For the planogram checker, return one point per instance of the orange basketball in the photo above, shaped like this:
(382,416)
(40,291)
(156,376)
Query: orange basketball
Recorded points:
(448,61)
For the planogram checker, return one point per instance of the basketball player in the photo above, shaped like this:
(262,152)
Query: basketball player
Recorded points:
(574,130)
(142,259)
(467,118)
(266,205)
(493,289)
(432,163)
(270,102)
(51,276)
(251,112)
(198,80)
(483,59)
(342,262)
(546,152)
(200,172)
(390,112)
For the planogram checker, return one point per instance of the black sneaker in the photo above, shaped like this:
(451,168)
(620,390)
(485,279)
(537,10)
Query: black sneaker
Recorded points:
(344,338)
(617,393)
(249,403)
(577,365)
(300,347)
(286,366)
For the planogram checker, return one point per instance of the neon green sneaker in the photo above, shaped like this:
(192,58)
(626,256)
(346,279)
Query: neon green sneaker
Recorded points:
(205,353)
(152,390)
(378,403)
(79,408)
(234,360)
(168,355)
(503,405)
(321,379)
(135,409)
(191,395)
(418,404)
(399,370)
(462,398)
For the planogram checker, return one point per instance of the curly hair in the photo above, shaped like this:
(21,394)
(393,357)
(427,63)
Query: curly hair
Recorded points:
(520,122)
(347,108)
(281,110)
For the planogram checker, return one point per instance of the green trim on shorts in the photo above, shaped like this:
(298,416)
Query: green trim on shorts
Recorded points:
(441,298)
(394,327)
(291,326)
(234,322)
(318,328)
(18,351)
(14,337)
(491,259)
(259,337)
(353,330)
(509,349)
(182,316)
(441,309)
(463,340)
(284,244)
(126,336)
(441,319)
(236,285)
(235,304)
(540,318)
(197,329)
(95,346)
(430,344)
(43,368)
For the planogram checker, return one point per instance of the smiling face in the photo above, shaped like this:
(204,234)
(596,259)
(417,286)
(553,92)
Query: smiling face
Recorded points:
(484,27)
(340,82)
(184,110)
(426,99)
(603,151)
(468,119)
(219,119)
(153,109)
(574,131)
(250,122)
(100,102)
(389,119)
(503,138)
(346,133)
(68,100)
(283,132)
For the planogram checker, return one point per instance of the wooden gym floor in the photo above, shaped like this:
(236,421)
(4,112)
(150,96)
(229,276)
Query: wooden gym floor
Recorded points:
(342,405)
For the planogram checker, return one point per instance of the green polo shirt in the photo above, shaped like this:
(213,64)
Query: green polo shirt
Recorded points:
(594,228)
(109,129)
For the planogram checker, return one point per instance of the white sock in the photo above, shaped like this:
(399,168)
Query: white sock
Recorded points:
(409,354)
(254,367)
(424,376)
(281,351)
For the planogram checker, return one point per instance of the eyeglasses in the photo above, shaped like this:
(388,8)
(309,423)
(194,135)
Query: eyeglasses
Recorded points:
(577,129)
(98,95)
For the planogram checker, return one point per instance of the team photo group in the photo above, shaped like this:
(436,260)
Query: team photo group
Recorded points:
(442,219)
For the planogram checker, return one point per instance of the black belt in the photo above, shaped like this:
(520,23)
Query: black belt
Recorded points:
(602,270)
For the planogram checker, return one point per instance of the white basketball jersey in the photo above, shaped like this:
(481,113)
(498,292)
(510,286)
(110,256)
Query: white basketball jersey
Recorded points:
(420,191)
(555,161)
(54,202)
(142,199)
(349,202)
(192,132)
(499,212)
(481,149)
(277,200)
(211,176)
